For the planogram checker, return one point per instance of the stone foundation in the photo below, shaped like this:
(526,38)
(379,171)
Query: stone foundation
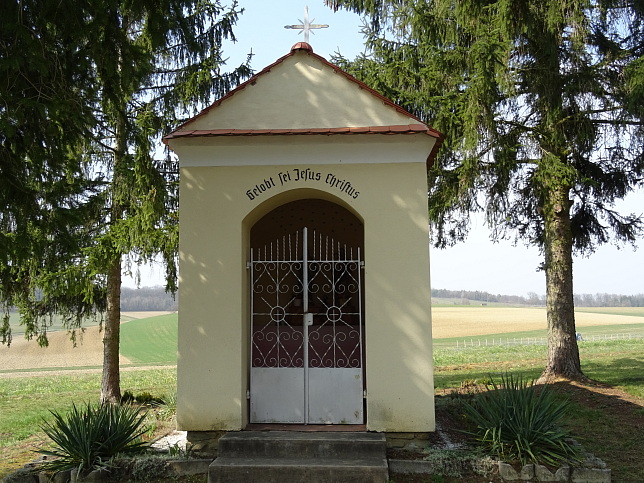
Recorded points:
(408,441)
(204,442)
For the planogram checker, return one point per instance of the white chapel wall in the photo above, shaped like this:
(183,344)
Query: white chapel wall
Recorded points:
(217,212)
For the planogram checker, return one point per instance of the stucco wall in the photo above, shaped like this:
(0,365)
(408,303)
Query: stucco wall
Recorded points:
(219,204)
(300,92)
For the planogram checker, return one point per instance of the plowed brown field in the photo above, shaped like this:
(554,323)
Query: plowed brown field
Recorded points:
(470,321)
(24,354)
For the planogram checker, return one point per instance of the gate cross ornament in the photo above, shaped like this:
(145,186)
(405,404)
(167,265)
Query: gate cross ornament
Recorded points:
(306,26)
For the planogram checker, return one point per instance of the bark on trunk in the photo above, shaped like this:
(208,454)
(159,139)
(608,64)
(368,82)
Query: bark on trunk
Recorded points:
(563,353)
(111,382)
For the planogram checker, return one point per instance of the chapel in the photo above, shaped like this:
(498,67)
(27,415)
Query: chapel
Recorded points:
(304,294)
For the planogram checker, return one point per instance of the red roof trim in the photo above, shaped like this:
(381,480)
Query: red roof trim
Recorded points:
(399,129)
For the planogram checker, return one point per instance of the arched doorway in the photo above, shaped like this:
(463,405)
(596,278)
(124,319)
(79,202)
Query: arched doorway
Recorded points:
(307,322)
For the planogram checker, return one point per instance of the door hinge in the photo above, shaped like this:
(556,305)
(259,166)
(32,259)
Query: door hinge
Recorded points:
(364,394)
(248,394)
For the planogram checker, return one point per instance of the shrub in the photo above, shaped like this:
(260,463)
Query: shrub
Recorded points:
(89,437)
(148,399)
(127,397)
(145,398)
(515,421)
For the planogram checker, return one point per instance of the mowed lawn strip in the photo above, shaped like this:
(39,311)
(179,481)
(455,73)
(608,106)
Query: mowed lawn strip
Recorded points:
(616,362)
(152,340)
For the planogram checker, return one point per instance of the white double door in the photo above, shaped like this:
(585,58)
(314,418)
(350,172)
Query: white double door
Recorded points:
(306,332)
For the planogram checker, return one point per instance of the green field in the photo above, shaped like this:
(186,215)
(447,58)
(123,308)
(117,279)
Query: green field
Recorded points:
(150,341)
(589,334)
(55,323)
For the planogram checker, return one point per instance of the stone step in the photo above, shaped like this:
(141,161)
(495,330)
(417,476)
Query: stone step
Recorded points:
(309,470)
(289,444)
(285,456)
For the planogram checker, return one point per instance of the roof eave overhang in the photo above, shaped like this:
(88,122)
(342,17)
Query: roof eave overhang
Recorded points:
(410,129)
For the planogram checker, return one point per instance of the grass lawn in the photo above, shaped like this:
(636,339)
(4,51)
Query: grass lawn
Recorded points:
(26,400)
(608,418)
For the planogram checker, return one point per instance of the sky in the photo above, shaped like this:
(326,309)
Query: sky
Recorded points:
(477,263)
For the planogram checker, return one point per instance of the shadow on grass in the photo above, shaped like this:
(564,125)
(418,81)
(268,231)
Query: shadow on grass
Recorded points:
(610,424)
(607,417)
(625,372)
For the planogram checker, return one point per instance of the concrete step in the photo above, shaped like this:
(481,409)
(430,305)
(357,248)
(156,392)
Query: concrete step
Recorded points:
(309,470)
(284,456)
(289,444)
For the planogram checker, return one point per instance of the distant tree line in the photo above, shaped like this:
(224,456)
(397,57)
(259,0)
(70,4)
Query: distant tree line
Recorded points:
(609,300)
(581,300)
(480,296)
(156,298)
(147,298)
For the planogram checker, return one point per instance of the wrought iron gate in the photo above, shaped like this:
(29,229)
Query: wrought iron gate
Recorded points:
(306,332)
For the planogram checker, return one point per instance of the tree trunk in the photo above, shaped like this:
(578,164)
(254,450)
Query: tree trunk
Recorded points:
(563,353)
(111,382)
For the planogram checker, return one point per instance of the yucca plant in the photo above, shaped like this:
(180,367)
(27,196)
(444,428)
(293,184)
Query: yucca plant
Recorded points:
(169,407)
(515,420)
(89,437)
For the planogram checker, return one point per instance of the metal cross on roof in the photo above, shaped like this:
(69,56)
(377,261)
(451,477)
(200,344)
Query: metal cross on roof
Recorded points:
(306,26)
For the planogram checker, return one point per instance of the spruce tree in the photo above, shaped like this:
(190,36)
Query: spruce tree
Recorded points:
(47,196)
(150,65)
(541,104)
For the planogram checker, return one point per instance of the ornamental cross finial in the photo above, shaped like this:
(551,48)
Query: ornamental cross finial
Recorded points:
(306,26)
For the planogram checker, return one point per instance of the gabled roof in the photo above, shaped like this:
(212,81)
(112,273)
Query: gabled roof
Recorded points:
(398,122)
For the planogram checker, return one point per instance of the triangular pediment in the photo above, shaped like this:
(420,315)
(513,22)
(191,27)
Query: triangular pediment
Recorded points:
(300,91)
